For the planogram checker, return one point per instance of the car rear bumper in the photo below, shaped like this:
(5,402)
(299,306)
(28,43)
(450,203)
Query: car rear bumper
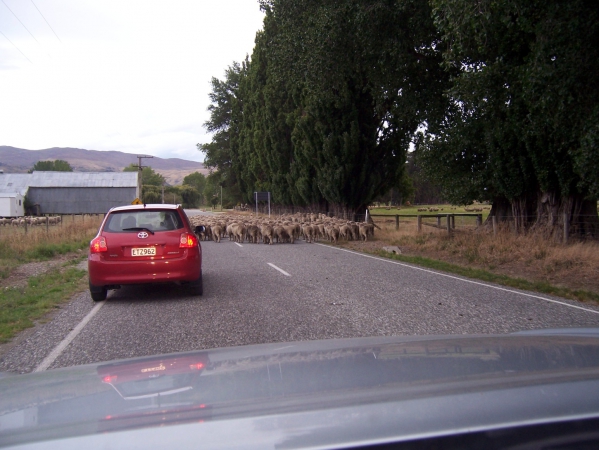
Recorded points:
(102,272)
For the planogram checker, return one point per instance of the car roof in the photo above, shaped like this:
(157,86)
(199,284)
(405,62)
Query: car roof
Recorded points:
(166,206)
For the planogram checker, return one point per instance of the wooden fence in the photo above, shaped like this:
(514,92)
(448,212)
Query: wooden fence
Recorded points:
(449,224)
(42,222)
(447,221)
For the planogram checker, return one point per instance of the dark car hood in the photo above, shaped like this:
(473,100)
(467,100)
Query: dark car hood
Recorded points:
(311,394)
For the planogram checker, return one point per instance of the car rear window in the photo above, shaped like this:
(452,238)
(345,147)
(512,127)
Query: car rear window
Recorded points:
(152,220)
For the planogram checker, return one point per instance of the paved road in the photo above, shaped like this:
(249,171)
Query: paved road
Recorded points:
(258,293)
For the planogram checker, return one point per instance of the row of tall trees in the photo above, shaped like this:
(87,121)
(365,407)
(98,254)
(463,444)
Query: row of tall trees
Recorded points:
(324,112)
(498,99)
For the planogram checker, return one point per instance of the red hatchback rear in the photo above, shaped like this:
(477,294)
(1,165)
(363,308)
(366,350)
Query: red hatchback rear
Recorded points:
(140,244)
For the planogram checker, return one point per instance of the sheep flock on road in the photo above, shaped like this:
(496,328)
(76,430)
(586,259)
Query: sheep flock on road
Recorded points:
(283,229)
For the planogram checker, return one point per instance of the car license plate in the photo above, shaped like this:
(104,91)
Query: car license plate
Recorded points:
(143,251)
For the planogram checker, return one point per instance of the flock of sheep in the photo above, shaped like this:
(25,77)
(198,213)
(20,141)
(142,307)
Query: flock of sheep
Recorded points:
(30,221)
(475,209)
(283,229)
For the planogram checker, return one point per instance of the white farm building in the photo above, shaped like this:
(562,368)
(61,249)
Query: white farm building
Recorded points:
(12,204)
(67,192)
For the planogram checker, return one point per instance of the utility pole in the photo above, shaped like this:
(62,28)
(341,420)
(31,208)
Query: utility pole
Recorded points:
(140,169)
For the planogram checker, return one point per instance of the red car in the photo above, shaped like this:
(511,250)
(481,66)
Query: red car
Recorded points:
(140,244)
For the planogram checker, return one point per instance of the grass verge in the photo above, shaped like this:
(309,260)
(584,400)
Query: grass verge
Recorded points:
(483,275)
(18,246)
(21,307)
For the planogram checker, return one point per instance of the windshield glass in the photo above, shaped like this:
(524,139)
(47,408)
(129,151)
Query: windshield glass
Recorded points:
(267,180)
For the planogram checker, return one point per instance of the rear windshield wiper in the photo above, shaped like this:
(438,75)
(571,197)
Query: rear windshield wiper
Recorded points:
(138,229)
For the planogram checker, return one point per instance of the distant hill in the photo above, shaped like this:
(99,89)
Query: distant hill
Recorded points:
(18,160)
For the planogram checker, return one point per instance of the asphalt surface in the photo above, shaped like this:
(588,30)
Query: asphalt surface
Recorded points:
(257,293)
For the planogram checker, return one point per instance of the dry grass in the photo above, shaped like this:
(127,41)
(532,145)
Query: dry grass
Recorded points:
(533,257)
(18,246)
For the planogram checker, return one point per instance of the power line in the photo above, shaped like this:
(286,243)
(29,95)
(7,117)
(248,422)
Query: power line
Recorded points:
(38,10)
(15,47)
(20,22)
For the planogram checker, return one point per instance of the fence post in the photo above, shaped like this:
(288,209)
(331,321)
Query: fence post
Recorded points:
(438,221)
(448,224)
(494,221)
(419,223)
(479,220)
(397,221)
(566,227)
(453,221)
(47,225)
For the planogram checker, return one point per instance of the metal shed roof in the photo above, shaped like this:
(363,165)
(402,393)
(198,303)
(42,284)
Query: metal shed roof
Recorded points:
(20,182)
(83,179)
(11,183)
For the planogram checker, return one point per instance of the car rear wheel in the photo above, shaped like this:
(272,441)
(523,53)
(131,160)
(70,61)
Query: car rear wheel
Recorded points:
(98,293)
(196,287)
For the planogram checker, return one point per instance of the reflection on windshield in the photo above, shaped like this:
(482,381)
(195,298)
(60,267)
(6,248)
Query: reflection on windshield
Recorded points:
(260,380)
(153,377)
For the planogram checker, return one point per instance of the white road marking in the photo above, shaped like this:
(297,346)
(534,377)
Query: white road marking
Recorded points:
(47,362)
(280,270)
(237,243)
(462,279)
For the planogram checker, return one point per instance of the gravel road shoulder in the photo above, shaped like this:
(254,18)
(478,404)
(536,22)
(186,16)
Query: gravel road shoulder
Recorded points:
(19,277)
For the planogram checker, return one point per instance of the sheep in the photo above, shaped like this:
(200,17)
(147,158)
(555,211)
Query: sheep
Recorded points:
(238,230)
(333,233)
(355,231)
(267,233)
(308,233)
(207,235)
(285,229)
(363,232)
(321,231)
(281,234)
(229,230)
(345,232)
(217,231)
(253,234)
(291,231)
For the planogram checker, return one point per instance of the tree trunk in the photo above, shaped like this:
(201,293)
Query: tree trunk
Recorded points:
(501,210)
(544,212)
(581,213)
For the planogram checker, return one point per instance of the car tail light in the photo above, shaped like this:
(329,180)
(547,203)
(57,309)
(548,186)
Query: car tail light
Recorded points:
(109,378)
(196,366)
(98,245)
(188,240)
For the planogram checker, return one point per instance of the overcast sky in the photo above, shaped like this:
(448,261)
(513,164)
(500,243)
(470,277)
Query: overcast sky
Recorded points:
(126,75)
